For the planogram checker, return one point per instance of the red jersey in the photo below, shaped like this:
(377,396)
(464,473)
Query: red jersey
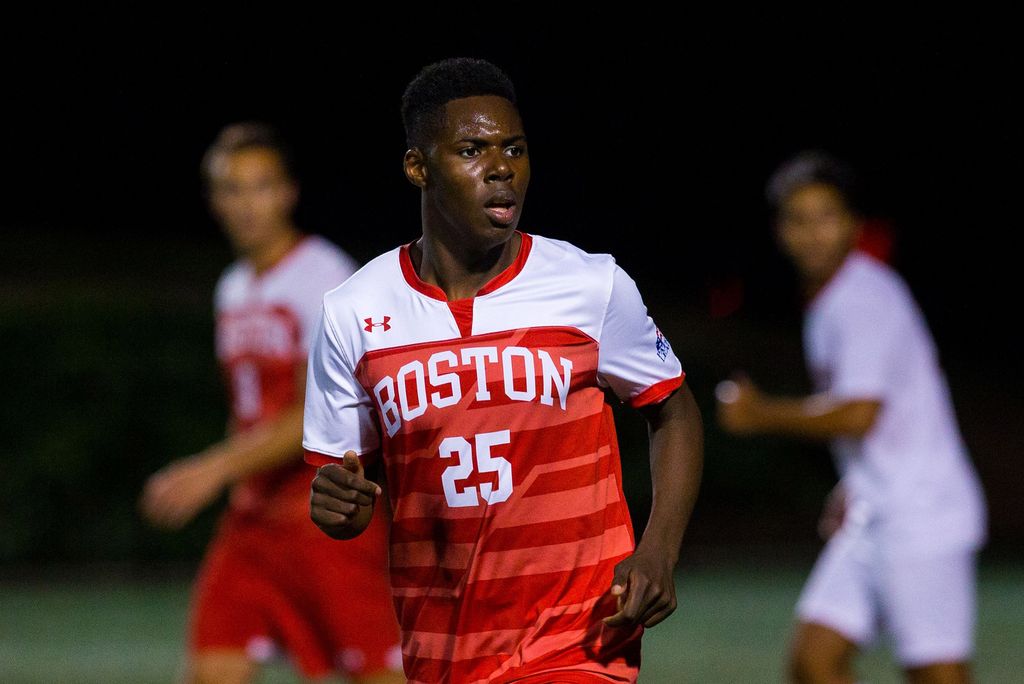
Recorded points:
(500,453)
(264,324)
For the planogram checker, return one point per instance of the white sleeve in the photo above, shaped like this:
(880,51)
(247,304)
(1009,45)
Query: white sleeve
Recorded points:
(338,413)
(866,344)
(634,358)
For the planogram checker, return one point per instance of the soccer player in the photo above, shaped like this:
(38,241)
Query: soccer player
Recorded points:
(908,515)
(473,365)
(270,579)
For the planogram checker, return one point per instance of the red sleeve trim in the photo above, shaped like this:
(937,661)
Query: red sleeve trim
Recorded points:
(317,459)
(657,392)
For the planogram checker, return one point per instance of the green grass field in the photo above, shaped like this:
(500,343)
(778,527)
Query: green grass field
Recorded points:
(732,626)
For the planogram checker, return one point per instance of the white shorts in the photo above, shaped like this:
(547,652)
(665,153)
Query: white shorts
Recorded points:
(924,601)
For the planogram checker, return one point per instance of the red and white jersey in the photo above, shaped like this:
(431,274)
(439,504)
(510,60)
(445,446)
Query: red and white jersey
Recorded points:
(499,450)
(264,325)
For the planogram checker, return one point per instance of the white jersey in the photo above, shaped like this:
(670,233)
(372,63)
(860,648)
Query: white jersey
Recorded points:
(910,477)
(264,324)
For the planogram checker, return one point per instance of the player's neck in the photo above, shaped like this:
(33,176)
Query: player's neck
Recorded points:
(813,286)
(265,256)
(460,270)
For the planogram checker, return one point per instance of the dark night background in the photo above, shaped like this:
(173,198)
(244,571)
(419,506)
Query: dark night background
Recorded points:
(650,143)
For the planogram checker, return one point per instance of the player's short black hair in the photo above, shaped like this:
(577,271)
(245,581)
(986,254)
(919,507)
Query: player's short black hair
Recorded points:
(811,167)
(450,79)
(247,135)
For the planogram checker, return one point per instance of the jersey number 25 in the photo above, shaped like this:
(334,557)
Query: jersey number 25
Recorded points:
(486,462)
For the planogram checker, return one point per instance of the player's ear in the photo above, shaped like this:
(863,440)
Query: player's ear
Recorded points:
(415,164)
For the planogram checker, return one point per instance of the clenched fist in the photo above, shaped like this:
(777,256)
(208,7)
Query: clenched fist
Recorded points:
(341,501)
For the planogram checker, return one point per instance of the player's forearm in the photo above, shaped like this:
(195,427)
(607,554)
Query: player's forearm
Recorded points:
(260,448)
(677,458)
(815,417)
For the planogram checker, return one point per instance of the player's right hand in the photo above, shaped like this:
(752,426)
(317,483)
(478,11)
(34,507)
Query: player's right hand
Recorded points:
(341,500)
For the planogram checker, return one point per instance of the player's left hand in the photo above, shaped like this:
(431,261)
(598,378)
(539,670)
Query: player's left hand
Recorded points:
(739,401)
(645,587)
(176,494)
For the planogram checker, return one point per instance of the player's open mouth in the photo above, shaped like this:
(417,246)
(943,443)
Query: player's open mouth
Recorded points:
(501,207)
(502,215)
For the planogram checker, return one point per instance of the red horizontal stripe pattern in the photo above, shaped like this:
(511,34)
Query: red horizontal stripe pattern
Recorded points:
(499,591)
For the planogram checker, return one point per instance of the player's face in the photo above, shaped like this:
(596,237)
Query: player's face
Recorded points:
(817,230)
(477,170)
(252,196)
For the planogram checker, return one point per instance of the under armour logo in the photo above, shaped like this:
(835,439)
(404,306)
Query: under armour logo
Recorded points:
(370,325)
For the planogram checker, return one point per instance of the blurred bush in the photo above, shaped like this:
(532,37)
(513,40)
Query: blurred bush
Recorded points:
(108,367)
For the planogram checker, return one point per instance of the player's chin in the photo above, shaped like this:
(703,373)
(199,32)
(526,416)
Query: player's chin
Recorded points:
(505,230)
(495,233)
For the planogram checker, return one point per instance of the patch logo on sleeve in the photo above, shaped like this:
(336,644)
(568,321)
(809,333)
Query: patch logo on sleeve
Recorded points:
(661,345)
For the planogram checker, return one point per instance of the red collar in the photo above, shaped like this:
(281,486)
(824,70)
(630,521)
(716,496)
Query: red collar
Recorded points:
(434,292)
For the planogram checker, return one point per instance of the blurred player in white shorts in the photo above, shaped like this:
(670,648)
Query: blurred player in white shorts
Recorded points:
(908,515)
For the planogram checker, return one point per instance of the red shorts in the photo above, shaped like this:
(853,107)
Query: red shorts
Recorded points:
(324,603)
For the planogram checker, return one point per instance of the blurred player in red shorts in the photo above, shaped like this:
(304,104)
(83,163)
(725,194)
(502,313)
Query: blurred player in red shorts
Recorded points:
(271,581)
